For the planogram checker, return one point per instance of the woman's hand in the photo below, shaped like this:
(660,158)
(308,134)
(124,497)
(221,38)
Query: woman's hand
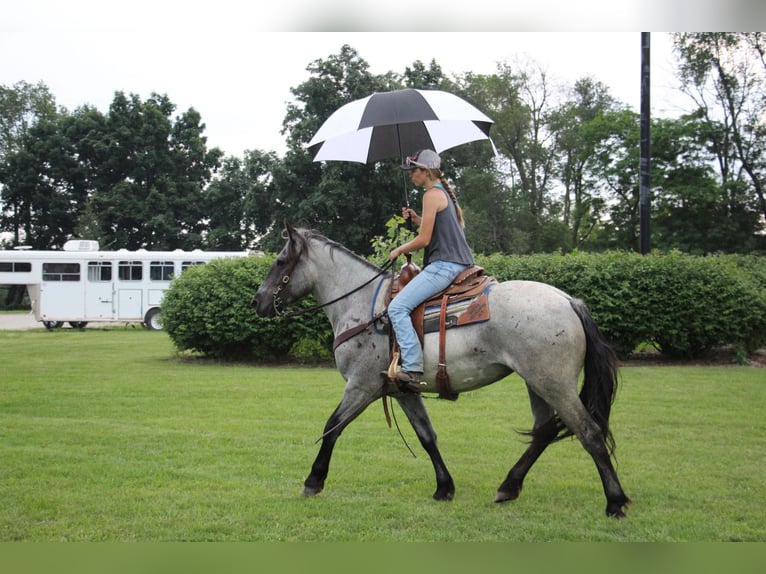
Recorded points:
(411,214)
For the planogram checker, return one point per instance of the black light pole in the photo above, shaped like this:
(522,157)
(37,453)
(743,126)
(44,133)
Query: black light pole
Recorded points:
(645,163)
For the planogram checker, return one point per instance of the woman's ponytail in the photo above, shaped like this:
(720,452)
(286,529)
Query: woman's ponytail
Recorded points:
(458,209)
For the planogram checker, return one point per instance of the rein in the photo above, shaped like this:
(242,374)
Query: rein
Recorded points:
(286,280)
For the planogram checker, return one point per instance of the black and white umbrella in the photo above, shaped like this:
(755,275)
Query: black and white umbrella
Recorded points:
(396,124)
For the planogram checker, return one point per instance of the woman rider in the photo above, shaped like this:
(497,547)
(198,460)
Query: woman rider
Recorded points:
(446,255)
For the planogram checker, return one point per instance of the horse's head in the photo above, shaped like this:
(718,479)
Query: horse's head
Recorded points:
(287,280)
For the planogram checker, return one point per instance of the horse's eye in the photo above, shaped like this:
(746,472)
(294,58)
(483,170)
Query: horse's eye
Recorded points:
(281,262)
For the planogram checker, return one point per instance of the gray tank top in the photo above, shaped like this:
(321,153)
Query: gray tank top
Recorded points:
(448,240)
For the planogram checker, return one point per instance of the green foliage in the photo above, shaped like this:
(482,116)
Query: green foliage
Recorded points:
(711,303)
(396,234)
(236,198)
(149,189)
(131,178)
(566,176)
(346,201)
(208,310)
(685,305)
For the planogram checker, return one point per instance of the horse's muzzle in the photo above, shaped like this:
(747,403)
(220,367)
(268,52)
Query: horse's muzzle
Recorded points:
(262,306)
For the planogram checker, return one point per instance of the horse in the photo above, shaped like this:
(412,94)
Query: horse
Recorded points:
(536,331)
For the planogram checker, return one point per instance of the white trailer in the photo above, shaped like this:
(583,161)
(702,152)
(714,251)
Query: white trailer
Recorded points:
(82,284)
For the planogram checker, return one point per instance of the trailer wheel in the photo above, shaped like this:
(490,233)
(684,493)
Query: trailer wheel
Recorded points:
(78,324)
(50,325)
(153,320)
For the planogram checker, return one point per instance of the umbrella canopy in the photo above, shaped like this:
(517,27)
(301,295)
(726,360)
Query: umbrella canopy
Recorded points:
(396,124)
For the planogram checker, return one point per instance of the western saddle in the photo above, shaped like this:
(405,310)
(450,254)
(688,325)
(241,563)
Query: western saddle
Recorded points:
(464,302)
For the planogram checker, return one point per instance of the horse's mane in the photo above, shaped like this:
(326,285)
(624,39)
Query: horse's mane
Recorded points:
(310,234)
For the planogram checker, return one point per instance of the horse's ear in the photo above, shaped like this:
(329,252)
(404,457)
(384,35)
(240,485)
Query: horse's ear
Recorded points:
(289,231)
(293,236)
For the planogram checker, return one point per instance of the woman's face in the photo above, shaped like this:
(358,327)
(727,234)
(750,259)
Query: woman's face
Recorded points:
(419,176)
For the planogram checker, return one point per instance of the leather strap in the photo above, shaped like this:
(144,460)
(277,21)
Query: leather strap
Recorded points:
(442,377)
(354,331)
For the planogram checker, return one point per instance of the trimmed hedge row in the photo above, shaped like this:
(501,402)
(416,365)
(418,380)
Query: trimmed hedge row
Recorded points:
(684,305)
(208,310)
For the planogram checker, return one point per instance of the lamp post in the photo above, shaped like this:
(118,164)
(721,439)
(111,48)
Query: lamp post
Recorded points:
(645,152)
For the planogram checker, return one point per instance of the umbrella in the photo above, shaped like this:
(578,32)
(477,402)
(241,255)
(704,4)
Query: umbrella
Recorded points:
(396,124)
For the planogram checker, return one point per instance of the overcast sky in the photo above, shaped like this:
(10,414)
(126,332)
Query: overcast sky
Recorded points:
(236,63)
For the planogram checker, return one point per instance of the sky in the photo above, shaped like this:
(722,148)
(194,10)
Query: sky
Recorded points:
(236,62)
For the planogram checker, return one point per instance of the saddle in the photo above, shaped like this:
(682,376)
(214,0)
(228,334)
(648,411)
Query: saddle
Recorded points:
(464,302)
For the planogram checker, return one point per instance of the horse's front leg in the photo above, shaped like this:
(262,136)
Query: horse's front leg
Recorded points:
(413,407)
(350,407)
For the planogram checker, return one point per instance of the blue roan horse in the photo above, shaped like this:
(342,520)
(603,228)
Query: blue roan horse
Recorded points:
(535,330)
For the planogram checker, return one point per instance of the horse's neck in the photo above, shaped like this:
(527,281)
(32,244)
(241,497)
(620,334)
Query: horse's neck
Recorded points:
(339,273)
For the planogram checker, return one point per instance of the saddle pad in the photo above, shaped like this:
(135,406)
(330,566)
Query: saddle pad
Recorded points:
(463,312)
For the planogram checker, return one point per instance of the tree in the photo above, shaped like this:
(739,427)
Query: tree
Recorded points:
(348,202)
(480,186)
(615,169)
(21,108)
(238,201)
(692,212)
(522,217)
(149,186)
(725,75)
(579,128)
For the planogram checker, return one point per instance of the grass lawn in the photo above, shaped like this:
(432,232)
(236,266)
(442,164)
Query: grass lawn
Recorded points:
(109,435)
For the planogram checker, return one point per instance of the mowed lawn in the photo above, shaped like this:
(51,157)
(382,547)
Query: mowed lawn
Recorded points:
(110,435)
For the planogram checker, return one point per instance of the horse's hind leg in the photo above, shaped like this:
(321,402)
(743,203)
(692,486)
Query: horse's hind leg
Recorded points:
(544,431)
(413,407)
(577,419)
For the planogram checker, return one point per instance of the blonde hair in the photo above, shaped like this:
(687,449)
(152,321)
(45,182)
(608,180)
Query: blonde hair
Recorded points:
(437,174)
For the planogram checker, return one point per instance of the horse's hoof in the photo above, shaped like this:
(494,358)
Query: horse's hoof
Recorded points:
(619,513)
(311,490)
(444,496)
(503,496)
(614,509)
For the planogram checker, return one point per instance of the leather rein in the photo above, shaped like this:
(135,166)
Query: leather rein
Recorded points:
(346,335)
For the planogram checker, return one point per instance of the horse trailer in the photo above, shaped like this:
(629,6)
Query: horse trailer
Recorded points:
(81,284)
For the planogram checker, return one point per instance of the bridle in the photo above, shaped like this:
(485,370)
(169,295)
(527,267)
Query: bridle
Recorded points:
(346,335)
(277,300)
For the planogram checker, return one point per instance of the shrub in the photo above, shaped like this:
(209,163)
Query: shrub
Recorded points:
(208,310)
(684,305)
(603,281)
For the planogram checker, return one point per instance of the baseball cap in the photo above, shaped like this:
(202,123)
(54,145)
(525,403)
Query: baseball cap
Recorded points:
(425,158)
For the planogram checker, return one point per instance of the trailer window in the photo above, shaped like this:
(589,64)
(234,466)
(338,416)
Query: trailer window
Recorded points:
(161,270)
(99,270)
(61,271)
(15,266)
(186,264)
(130,271)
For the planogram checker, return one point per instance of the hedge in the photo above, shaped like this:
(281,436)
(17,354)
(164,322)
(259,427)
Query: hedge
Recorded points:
(208,310)
(684,305)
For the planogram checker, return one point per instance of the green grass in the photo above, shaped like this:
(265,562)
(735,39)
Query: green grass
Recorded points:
(109,435)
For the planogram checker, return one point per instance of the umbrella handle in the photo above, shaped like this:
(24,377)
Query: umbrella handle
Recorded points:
(406,200)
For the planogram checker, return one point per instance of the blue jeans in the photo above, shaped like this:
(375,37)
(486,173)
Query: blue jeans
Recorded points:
(434,278)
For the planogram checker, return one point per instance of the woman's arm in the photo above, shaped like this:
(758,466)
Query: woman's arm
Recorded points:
(433,202)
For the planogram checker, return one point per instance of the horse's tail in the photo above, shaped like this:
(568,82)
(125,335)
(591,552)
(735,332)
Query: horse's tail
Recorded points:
(599,385)
(601,372)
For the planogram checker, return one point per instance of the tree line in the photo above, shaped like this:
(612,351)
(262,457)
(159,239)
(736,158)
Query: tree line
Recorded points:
(141,175)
